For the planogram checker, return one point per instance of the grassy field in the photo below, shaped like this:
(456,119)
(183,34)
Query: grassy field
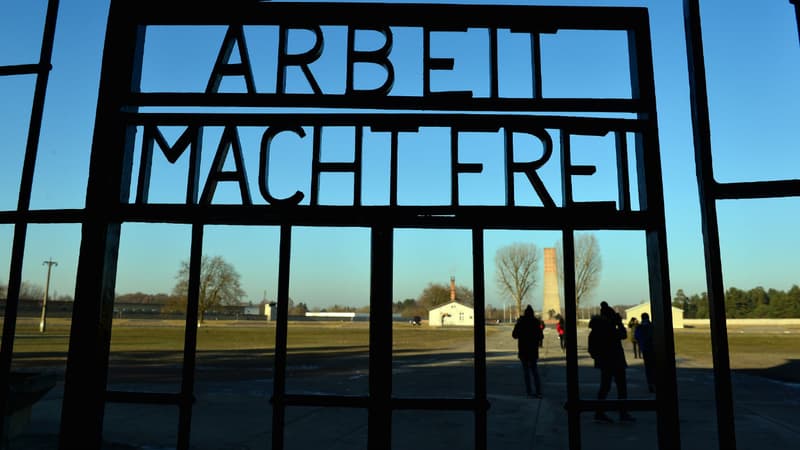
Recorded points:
(155,335)
(773,354)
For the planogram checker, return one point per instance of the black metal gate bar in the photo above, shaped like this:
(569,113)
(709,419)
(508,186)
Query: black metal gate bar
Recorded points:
(570,307)
(651,198)
(379,432)
(42,72)
(190,339)
(281,330)
(108,186)
(701,127)
(479,293)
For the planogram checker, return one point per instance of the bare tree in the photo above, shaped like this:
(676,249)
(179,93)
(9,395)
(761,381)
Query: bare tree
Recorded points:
(30,291)
(219,285)
(436,294)
(588,265)
(517,269)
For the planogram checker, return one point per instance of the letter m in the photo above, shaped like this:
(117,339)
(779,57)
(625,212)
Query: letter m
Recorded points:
(190,138)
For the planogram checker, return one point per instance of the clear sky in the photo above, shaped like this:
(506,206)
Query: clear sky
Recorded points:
(753,65)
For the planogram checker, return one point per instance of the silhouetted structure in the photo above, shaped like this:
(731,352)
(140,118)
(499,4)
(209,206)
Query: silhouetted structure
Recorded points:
(119,118)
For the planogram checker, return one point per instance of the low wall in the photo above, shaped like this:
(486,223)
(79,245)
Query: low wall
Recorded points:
(743,322)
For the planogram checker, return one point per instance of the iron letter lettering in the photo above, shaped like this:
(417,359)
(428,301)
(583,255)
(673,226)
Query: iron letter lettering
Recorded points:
(263,169)
(528,168)
(379,57)
(300,59)
(228,141)
(223,68)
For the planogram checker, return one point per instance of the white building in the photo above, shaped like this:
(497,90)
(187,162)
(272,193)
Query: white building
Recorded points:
(271,311)
(452,313)
(636,311)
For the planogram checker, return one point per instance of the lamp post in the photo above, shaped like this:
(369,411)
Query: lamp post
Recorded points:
(43,322)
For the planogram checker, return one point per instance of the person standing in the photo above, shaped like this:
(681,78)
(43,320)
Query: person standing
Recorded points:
(632,324)
(605,347)
(541,327)
(560,330)
(528,333)
(644,336)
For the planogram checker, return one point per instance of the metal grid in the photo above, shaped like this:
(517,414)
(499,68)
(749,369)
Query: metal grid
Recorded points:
(110,176)
(710,192)
(21,217)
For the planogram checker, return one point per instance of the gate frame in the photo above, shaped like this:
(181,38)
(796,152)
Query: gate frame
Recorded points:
(110,176)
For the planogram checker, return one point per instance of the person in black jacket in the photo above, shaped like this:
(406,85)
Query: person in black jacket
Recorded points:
(644,335)
(605,347)
(528,333)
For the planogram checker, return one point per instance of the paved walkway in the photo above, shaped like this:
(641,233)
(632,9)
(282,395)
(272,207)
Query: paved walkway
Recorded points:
(236,415)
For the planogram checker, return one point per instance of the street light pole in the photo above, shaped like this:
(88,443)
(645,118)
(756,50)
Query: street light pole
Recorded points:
(43,322)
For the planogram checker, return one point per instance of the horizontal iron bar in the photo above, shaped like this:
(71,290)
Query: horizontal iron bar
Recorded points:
(466,217)
(465,404)
(323,400)
(533,18)
(581,217)
(43,216)
(390,121)
(594,405)
(445,101)
(346,401)
(24,69)
(757,189)
(149,398)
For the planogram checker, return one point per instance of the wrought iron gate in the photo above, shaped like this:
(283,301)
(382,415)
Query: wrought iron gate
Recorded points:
(120,116)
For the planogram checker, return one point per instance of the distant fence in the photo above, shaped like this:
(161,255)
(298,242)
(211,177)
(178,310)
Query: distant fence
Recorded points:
(743,322)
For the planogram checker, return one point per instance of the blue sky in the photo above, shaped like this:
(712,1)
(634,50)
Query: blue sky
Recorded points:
(752,70)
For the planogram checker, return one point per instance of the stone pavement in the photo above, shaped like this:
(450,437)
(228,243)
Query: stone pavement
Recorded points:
(235,414)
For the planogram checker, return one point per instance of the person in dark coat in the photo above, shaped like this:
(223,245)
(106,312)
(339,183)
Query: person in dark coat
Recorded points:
(528,333)
(632,324)
(605,347)
(644,336)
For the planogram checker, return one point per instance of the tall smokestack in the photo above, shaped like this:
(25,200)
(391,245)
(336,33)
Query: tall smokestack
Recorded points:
(452,289)
(551,300)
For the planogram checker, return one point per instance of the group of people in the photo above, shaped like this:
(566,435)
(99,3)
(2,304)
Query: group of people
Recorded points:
(607,332)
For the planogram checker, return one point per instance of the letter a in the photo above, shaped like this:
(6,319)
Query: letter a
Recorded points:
(228,141)
(222,68)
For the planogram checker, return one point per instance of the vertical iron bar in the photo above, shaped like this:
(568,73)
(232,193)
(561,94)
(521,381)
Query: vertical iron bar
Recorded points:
(379,434)
(281,330)
(454,166)
(393,167)
(108,187)
(10,320)
(358,165)
(23,205)
(35,124)
(190,338)
(536,62)
(570,306)
(651,200)
(623,178)
(494,84)
(481,399)
(701,128)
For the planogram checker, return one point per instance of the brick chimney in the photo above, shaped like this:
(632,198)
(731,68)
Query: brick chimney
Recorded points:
(452,289)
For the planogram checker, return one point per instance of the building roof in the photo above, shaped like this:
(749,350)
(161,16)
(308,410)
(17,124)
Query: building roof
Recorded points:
(450,303)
